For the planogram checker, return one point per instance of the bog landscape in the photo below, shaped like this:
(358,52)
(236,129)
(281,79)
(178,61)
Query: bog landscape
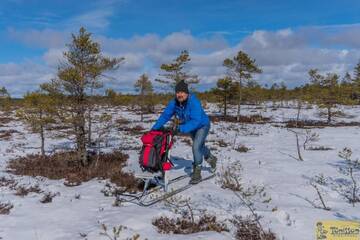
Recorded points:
(276,160)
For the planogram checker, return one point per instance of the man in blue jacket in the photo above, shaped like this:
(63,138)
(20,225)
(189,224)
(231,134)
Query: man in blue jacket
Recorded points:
(193,121)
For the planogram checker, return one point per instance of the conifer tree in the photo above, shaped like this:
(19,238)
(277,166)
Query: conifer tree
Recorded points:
(241,68)
(77,77)
(145,89)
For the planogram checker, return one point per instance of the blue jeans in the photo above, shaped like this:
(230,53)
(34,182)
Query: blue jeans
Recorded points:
(199,149)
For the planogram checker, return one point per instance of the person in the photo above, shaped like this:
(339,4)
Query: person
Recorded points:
(194,121)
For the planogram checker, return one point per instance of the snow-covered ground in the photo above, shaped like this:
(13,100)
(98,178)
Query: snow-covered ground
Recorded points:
(79,211)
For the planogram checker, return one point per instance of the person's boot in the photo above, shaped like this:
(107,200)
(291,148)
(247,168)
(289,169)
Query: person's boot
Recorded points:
(196,175)
(211,160)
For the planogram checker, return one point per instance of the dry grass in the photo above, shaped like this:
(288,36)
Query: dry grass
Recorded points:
(7,182)
(47,198)
(187,141)
(319,148)
(6,120)
(5,208)
(64,165)
(7,134)
(136,130)
(122,121)
(318,124)
(222,143)
(24,191)
(242,149)
(184,224)
(256,118)
(247,229)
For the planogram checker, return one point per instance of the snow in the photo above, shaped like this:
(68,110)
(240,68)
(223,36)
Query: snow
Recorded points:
(268,163)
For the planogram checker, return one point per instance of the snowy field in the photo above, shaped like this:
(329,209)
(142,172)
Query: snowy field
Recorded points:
(78,212)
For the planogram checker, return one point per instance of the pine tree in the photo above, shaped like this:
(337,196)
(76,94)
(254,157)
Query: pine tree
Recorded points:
(38,113)
(76,80)
(325,90)
(356,83)
(223,90)
(145,89)
(240,68)
(4,99)
(175,71)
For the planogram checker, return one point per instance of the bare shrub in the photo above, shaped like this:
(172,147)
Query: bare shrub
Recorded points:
(122,121)
(7,134)
(242,149)
(316,183)
(48,197)
(317,124)
(7,182)
(310,137)
(248,229)
(184,225)
(24,191)
(222,143)
(5,208)
(191,220)
(256,118)
(6,120)
(349,189)
(319,148)
(115,233)
(135,130)
(299,157)
(230,178)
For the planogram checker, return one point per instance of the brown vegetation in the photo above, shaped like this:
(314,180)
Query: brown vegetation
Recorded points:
(65,165)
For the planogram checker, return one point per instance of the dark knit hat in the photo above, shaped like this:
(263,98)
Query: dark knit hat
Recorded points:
(181,87)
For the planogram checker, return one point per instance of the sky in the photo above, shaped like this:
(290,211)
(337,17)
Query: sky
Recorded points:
(285,37)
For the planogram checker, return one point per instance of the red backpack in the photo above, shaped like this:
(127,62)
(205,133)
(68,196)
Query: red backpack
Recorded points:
(154,153)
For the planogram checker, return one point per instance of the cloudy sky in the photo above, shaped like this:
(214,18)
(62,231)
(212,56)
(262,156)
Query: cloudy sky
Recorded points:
(286,37)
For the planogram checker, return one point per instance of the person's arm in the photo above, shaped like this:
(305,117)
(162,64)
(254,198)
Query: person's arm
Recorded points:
(195,117)
(165,116)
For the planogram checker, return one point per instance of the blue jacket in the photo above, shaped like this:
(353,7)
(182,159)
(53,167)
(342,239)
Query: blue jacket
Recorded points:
(191,115)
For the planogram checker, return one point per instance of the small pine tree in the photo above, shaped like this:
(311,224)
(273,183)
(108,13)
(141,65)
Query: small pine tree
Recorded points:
(145,89)
(175,71)
(4,99)
(77,78)
(241,68)
(355,83)
(38,113)
(223,90)
(325,90)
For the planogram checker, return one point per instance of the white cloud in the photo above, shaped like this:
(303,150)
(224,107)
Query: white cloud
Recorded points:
(22,77)
(96,19)
(47,38)
(284,55)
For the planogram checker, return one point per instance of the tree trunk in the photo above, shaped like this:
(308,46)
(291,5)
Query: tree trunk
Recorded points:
(239,102)
(225,106)
(298,147)
(81,136)
(42,136)
(298,113)
(142,102)
(89,126)
(329,115)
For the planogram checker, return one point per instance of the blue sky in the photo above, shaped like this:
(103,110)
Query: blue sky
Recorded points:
(286,37)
